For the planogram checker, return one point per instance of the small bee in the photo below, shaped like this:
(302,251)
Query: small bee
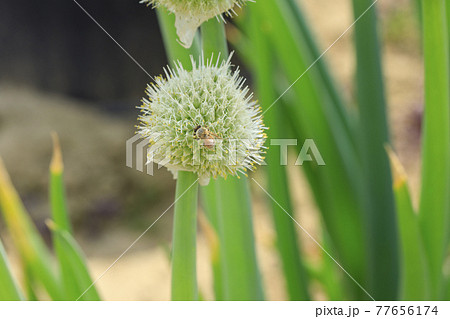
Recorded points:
(207,137)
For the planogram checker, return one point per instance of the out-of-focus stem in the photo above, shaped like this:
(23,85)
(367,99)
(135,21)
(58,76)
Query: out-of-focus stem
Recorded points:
(381,224)
(434,201)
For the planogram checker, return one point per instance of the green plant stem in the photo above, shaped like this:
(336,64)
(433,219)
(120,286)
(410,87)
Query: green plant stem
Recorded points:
(213,43)
(184,272)
(240,274)
(381,218)
(434,201)
(213,39)
(184,276)
(209,196)
(174,51)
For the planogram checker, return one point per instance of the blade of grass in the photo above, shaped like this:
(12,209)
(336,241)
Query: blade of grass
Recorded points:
(381,218)
(73,264)
(9,291)
(26,238)
(58,204)
(28,283)
(333,278)
(414,273)
(61,219)
(328,274)
(434,198)
(287,241)
(184,271)
(74,272)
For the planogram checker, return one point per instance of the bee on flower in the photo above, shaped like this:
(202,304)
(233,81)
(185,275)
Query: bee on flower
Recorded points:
(204,121)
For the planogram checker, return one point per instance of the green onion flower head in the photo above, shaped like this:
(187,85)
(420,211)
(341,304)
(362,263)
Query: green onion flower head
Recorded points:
(204,121)
(190,14)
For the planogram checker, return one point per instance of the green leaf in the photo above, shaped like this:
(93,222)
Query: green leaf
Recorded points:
(74,272)
(434,208)
(381,221)
(73,266)
(342,111)
(57,192)
(9,290)
(26,238)
(413,270)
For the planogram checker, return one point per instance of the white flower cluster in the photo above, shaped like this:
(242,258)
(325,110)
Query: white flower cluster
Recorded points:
(190,14)
(203,121)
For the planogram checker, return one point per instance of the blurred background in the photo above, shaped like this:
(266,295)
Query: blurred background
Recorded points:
(60,72)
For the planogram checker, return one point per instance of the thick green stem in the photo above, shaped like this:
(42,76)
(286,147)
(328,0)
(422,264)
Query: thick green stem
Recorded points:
(184,282)
(240,274)
(174,50)
(213,39)
(209,196)
(240,269)
(381,222)
(434,201)
(184,272)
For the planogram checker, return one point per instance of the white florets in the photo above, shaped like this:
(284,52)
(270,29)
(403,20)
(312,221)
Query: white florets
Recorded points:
(211,97)
(190,14)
